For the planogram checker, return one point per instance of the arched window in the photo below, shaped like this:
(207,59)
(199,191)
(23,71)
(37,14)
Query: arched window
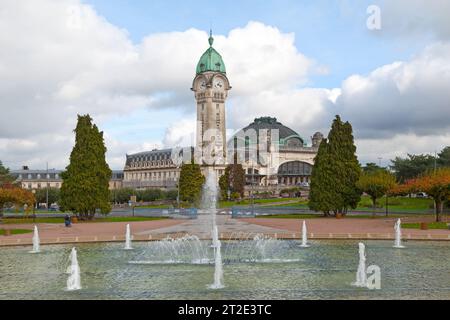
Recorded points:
(295,168)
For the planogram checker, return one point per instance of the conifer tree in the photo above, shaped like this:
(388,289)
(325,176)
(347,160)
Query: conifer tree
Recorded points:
(191,182)
(85,185)
(233,180)
(336,172)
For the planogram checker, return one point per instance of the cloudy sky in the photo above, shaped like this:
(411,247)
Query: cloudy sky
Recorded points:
(130,64)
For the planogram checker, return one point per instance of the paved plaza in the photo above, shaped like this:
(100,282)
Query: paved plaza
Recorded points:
(318,228)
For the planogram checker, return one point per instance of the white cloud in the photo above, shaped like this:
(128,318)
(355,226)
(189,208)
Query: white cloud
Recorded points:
(60,58)
(400,145)
(180,134)
(401,98)
(412,18)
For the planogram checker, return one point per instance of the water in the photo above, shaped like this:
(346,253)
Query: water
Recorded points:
(304,236)
(209,202)
(36,241)
(325,271)
(361,276)
(74,279)
(185,250)
(398,234)
(128,238)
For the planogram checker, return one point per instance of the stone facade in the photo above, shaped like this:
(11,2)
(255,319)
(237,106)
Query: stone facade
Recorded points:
(153,169)
(41,179)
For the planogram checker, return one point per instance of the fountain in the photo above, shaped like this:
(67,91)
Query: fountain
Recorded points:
(209,201)
(304,236)
(36,242)
(361,276)
(218,272)
(398,234)
(128,238)
(74,281)
(185,250)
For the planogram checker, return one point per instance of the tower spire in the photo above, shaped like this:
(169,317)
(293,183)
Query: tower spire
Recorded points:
(211,39)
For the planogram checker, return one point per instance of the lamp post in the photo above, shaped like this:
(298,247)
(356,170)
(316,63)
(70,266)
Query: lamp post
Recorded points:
(46,188)
(34,206)
(252,190)
(387,203)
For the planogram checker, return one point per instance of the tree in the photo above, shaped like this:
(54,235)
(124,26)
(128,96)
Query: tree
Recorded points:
(335,172)
(191,182)
(85,186)
(320,195)
(444,157)
(376,184)
(372,167)
(232,180)
(53,195)
(15,196)
(5,177)
(435,183)
(412,166)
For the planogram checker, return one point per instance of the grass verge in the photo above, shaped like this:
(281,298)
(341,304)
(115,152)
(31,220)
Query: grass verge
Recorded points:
(16,231)
(433,225)
(97,220)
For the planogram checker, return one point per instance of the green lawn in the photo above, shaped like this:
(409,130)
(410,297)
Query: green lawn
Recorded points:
(61,220)
(247,202)
(314,216)
(16,231)
(400,204)
(433,225)
(162,206)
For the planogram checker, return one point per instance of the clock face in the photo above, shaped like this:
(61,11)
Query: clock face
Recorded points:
(202,85)
(218,84)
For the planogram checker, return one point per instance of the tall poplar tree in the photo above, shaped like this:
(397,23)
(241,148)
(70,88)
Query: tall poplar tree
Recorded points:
(85,186)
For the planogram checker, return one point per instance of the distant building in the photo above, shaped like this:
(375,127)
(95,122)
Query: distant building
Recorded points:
(152,169)
(51,178)
(289,158)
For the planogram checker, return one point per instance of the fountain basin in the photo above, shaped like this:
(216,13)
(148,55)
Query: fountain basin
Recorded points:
(325,271)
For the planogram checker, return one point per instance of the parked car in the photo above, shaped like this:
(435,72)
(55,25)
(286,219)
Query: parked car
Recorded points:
(303,184)
(54,207)
(420,195)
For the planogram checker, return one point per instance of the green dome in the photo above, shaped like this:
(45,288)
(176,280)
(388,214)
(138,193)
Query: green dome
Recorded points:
(211,60)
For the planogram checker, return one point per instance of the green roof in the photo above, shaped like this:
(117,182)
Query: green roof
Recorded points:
(211,60)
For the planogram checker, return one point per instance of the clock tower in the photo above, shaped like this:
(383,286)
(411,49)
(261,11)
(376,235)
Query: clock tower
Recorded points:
(211,88)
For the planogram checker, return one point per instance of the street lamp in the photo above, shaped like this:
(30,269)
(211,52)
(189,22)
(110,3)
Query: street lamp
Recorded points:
(252,189)
(34,206)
